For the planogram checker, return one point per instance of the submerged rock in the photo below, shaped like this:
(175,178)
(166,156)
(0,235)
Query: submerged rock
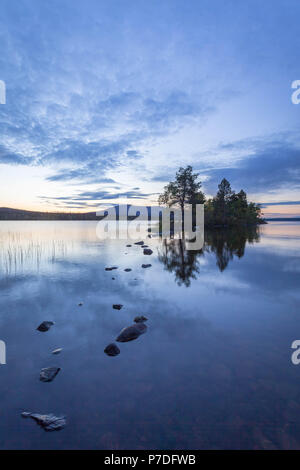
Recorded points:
(45,325)
(57,351)
(48,422)
(117,306)
(48,373)
(112,349)
(140,319)
(147,251)
(131,332)
(127,270)
(139,243)
(146,265)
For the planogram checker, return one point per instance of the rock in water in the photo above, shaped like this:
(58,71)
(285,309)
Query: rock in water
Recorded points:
(128,246)
(48,422)
(141,327)
(131,332)
(80,304)
(146,265)
(117,306)
(57,351)
(147,251)
(111,269)
(45,326)
(112,350)
(139,243)
(140,319)
(144,246)
(48,373)
(127,270)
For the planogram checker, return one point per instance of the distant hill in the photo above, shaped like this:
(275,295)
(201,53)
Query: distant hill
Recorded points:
(7,213)
(284,219)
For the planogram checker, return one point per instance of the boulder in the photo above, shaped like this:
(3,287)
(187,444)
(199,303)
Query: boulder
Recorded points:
(140,319)
(117,306)
(112,349)
(45,326)
(48,422)
(131,332)
(147,251)
(49,373)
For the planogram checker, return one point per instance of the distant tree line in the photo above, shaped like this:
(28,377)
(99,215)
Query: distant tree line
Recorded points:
(227,208)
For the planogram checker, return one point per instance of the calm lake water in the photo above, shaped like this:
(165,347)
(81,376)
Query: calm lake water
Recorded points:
(213,371)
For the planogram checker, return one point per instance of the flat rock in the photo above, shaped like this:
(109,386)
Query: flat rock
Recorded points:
(112,349)
(147,251)
(117,306)
(49,373)
(140,319)
(45,325)
(131,332)
(57,351)
(48,422)
(146,265)
(139,243)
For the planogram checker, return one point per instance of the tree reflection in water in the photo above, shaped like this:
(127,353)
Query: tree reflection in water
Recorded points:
(180,261)
(224,243)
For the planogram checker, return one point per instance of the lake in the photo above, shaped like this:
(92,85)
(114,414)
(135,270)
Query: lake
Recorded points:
(213,370)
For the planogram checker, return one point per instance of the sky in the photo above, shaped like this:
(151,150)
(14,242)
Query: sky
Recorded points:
(106,99)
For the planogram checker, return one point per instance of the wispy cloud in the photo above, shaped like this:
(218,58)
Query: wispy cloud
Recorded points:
(264,165)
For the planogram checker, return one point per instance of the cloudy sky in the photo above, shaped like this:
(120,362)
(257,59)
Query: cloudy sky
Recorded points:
(107,98)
